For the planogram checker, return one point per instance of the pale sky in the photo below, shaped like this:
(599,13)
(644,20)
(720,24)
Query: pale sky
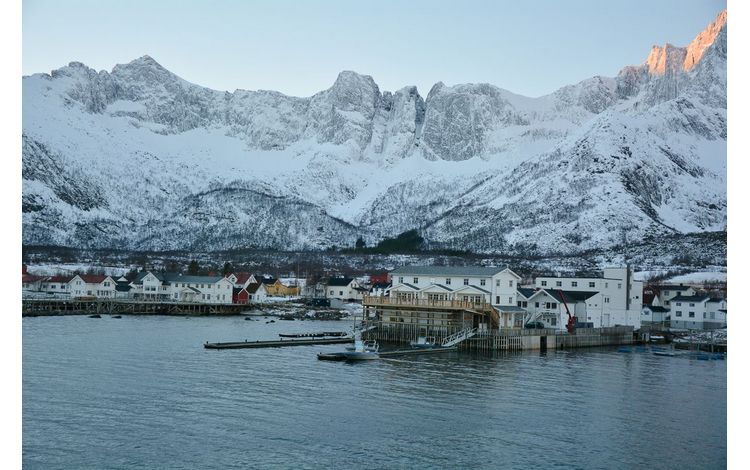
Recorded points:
(299,47)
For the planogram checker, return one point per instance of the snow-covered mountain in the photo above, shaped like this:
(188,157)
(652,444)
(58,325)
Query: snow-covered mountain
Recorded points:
(138,158)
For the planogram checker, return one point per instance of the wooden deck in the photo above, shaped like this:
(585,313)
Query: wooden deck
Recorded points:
(277,343)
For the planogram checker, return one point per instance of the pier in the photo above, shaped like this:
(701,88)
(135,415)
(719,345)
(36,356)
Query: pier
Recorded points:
(276,343)
(51,307)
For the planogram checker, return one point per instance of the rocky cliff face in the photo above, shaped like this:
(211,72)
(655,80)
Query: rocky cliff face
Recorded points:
(139,158)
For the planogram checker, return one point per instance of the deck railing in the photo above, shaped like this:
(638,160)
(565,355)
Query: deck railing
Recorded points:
(430,303)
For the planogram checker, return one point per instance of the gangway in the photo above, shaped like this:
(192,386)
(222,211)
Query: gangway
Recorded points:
(456,338)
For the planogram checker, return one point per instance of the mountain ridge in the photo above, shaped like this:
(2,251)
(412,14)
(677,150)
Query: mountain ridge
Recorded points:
(457,164)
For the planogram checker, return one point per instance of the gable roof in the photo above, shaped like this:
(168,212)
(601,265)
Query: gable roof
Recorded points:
(93,278)
(470,286)
(450,270)
(570,296)
(381,285)
(410,286)
(242,277)
(690,298)
(339,281)
(509,308)
(62,279)
(253,287)
(439,286)
(526,291)
(32,278)
(668,287)
(656,309)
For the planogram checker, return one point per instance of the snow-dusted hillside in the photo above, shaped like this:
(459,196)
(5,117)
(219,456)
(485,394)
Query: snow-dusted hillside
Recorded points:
(138,158)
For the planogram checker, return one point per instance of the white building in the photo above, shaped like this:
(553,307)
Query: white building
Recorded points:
(549,307)
(344,288)
(665,294)
(477,284)
(92,285)
(177,287)
(698,312)
(619,301)
(257,292)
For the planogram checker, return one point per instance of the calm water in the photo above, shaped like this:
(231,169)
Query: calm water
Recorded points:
(141,392)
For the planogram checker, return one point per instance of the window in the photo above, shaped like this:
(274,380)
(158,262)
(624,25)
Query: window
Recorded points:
(481,282)
(574,283)
(619,285)
(606,285)
(554,305)
(497,299)
(678,313)
(679,304)
(341,292)
(592,284)
(448,281)
(646,312)
(692,304)
(510,300)
(544,283)
(517,303)
(536,304)
(497,283)
(713,315)
(704,314)
(606,300)
(466,282)
(558,283)
(106,283)
(400,280)
(416,280)
(691,314)
(331,293)
(553,321)
(666,292)
(510,283)
(666,302)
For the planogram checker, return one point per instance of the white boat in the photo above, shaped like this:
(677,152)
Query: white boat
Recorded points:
(369,346)
(362,352)
(424,342)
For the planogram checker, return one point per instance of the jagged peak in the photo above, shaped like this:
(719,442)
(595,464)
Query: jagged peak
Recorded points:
(347,78)
(703,41)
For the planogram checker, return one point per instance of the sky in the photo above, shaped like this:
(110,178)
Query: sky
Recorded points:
(299,47)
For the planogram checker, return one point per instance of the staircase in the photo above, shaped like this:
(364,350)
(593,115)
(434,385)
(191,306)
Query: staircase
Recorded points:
(456,338)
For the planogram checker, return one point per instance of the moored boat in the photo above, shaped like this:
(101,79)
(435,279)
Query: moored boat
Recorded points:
(362,352)
(424,342)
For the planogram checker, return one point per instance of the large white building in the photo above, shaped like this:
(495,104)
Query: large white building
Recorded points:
(699,312)
(177,287)
(616,298)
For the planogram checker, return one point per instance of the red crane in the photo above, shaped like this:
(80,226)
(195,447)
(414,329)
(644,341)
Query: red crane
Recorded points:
(571,325)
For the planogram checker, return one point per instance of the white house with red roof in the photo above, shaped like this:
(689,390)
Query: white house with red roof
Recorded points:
(92,285)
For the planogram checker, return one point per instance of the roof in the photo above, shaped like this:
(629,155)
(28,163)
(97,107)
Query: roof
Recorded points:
(656,309)
(410,286)
(339,281)
(690,298)
(716,299)
(123,287)
(63,279)
(268,280)
(668,287)
(526,291)
(242,277)
(253,287)
(510,308)
(93,278)
(381,285)
(32,278)
(438,285)
(472,287)
(449,270)
(570,296)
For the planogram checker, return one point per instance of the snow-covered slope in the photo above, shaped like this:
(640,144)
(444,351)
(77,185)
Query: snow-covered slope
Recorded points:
(138,158)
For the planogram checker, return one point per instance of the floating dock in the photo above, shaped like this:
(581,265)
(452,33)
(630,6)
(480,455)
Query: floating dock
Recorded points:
(276,343)
(339,356)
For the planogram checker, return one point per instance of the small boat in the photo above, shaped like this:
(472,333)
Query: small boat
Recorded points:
(313,335)
(96,315)
(369,346)
(424,343)
(361,352)
(656,338)
(117,316)
(663,353)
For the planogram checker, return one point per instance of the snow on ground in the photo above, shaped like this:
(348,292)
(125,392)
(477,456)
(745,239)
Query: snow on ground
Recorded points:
(700,277)
(70,268)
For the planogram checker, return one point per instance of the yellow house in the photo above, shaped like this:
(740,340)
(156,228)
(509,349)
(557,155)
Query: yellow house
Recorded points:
(276,288)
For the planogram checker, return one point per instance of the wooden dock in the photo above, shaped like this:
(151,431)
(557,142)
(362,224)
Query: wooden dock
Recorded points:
(277,343)
(52,307)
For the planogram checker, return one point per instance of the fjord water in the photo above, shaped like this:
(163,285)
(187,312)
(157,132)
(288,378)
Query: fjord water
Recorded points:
(142,392)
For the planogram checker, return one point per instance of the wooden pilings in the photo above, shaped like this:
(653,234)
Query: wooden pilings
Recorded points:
(46,307)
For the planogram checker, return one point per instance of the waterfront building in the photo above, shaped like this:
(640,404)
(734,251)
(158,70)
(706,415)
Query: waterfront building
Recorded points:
(620,298)
(257,292)
(177,287)
(92,285)
(344,288)
(549,307)
(655,315)
(664,294)
(698,312)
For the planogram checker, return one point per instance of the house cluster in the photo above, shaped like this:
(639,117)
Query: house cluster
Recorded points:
(609,299)
(684,307)
(348,289)
(237,288)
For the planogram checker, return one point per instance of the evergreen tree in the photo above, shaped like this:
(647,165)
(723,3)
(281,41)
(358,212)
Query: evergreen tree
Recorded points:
(193,268)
